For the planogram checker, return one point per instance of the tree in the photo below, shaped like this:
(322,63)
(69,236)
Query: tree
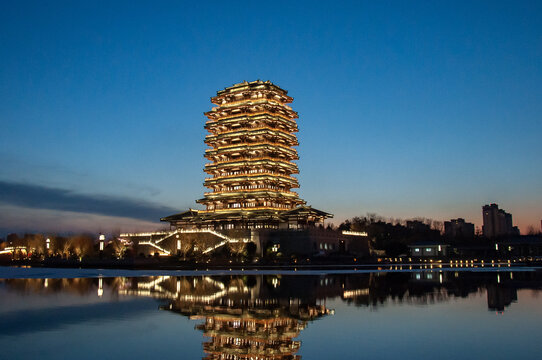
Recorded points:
(81,245)
(35,244)
(532,231)
(119,247)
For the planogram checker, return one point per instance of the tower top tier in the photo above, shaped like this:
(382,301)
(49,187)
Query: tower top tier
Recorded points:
(253,90)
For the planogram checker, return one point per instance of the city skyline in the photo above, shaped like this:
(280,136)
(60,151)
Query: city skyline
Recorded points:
(405,111)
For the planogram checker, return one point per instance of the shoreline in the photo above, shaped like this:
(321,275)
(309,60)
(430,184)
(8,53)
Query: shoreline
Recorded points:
(22,272)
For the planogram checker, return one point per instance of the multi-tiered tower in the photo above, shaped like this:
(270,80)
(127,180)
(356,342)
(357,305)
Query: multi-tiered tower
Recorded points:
(251,149)
(252,135)
(251,152)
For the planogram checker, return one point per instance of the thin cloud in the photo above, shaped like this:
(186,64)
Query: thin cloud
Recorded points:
(41,197)
(18,219)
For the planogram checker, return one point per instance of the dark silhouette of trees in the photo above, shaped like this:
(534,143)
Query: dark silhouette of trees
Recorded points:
(394,235)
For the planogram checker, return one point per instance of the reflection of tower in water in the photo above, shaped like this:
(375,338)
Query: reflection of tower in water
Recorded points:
(250,337)
(245,323)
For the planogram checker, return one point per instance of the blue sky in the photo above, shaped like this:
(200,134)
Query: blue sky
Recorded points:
(406,109)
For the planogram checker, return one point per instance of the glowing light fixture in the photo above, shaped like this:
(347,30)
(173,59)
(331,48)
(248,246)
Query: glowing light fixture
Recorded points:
(102,241)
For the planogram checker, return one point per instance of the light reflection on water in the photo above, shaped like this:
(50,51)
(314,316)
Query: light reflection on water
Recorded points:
(410,315)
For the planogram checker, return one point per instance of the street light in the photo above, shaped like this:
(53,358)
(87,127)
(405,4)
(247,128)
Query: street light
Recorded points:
(102,240)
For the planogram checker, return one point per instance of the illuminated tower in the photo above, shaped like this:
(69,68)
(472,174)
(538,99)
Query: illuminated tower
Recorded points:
(251,139)
(250,179)
(251,167)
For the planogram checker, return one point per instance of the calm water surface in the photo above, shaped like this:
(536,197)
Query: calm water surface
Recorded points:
(374,315)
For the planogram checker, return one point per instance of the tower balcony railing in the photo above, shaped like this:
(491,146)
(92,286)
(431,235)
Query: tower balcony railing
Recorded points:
(255,101)
(221,112)
(231,190)
(251,158)
(252,128)
(290,172)
(217,145)
(225,128)
(286,157)
(251,175)
(224,208)
(252,114)
(249,187)
(288,149)
(250,172)
(227,96)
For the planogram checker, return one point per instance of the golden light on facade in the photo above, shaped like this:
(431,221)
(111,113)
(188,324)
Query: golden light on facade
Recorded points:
(356,233)
(250,174)
(251,119)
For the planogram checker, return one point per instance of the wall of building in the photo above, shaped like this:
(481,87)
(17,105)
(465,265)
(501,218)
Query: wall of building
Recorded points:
(312,241)
(428,250)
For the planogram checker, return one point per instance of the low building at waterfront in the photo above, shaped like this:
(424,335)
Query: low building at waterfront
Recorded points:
(428,249)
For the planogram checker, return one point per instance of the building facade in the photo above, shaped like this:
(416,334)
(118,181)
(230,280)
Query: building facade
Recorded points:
(497,222)
(458,228)
(428,250)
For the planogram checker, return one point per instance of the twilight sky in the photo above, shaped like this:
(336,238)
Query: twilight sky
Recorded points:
(406,109)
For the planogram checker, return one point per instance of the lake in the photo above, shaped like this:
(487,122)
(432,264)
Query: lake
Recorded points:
(407,314)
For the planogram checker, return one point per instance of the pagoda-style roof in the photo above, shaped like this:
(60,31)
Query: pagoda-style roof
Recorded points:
(251,146)
(185,215)
(252,177)
(305,210)
(244,89)
(263,117)
(261,131)
(244,194)
(269,147)
(248,162)
(221,113)
(199,216)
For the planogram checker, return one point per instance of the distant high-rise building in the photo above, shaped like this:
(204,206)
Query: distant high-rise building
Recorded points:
(497,222)
(458,228)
